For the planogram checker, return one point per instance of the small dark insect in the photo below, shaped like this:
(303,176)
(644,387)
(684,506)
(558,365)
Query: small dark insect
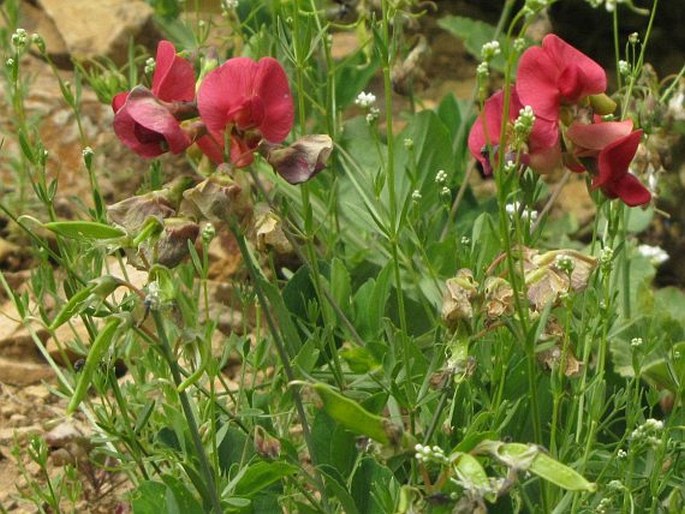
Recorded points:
(78,365)
(344,9)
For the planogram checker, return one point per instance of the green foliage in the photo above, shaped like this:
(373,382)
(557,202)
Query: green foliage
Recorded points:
(344,375)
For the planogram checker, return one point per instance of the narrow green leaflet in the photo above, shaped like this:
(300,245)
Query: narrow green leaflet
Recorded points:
(84,229)
(97,350)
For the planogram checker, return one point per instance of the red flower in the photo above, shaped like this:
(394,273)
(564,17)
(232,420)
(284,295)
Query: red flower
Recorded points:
(245,101)
(146,126)
(608,148)
(144,120)
(556,74)
(544,153)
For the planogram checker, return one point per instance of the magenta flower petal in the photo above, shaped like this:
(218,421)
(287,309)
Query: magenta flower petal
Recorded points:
(147,127)
(579,75)
(174,77)
(544,151)
(118,101)
(271,86)
(224,91)
(589,139)
(212,148)
(554,74)
(614,159)
(485,132)
(630,190)
(251,100)
(536,83)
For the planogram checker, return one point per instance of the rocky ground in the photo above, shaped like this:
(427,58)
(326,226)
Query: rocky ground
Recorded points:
(82,30)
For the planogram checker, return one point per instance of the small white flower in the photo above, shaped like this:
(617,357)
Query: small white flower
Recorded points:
(465,240)
(655,254)
(635,342)
(20,38)
(621,454)
(408,142)
(416,195)
(624,67)
(445,191)
(365,100)
(229,4)
(441,177)
(490,50)
(373,115)
(150,65)
(482,71)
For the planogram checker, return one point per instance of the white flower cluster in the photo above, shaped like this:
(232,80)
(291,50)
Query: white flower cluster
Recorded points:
(648,432)
(441,177)
(635,342)
(609,5)
(489,50)
(655,254)
(527,214)
(564,263)
(20,39)
(524,123)
(365,100)
(229,4)
(150,65)
(430,454)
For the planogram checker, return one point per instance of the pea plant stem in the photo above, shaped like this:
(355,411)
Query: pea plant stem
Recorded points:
(205,468)
(283,355)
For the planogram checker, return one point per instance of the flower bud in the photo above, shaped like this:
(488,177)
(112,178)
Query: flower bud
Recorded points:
(300,161)
(602,104)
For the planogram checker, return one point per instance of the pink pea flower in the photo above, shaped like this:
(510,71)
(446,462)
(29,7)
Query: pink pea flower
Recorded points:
(613,145)
(148,121)
(543,153)
(244,101)
(556,74)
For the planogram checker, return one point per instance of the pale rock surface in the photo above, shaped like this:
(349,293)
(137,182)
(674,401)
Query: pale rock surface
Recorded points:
(106,29)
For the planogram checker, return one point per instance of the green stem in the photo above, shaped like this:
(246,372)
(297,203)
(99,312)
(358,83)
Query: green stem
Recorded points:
(282,354)
(205,469)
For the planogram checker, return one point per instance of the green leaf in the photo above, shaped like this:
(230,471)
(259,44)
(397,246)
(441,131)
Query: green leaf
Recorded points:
(100,345)
(667,372)
(333,444)
(359,359)
(336,486)
(84,230)
(371,483)
(179,499)
(261,475)
(474,34)
(148,497)
(74,305)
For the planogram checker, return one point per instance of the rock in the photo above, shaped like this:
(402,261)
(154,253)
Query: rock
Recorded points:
(15,339)
(9,435)
(63,434)
(36,21)
(18,420)
(23,373)
(39,392)
(105,30)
